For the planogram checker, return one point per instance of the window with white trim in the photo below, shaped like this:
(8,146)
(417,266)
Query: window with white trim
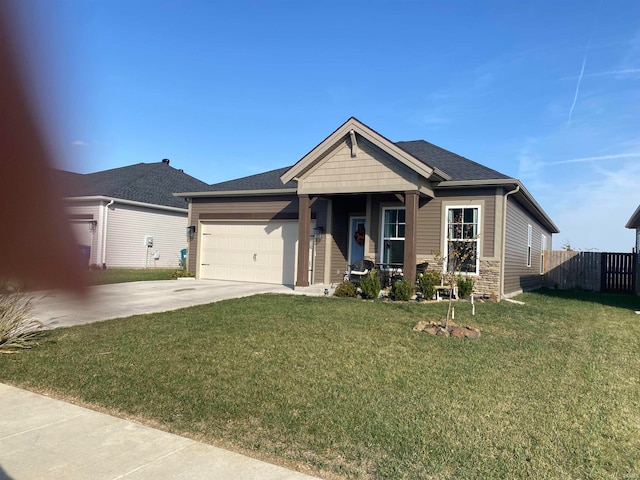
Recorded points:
(463,228)
(543,248)
(529,239)
(393,227)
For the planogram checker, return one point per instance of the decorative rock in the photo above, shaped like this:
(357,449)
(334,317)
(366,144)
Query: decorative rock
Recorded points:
(431,329)
(458,332)
(442,332)
(420,326)
(472,333)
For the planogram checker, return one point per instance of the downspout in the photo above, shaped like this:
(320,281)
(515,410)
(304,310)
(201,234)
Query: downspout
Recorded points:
(104,234)
(504,238)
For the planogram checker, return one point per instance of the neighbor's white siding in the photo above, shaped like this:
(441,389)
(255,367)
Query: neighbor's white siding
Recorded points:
(127,227)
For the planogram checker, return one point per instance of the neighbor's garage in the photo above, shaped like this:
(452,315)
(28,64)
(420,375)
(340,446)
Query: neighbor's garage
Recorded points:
(252,252)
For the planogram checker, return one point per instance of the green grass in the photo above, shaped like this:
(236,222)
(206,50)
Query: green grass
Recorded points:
(121,275)
(347,389)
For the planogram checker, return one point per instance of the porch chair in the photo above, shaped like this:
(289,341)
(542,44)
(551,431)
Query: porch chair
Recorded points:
(359,269)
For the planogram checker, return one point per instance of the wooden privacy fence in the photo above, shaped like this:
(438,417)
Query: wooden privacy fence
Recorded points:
(596,271)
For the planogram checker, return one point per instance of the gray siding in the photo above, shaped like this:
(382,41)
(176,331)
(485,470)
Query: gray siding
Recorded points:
(343,208)
(430,238)
(518,276)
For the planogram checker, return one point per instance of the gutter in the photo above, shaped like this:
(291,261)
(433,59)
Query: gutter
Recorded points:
(504,237)
(104,234)
(237,193)
(134,203)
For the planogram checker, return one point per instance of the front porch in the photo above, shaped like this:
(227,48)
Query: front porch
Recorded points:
(380,227)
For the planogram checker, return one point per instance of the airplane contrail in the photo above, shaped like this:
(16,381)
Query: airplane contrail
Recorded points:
(575,96)
(591,159)
(608,72)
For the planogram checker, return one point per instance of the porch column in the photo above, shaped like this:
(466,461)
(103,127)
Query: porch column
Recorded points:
(411,225)
(304,232)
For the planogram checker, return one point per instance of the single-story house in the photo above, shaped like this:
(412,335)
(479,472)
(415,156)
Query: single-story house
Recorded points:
(634,223)
(356,195)
(128,216)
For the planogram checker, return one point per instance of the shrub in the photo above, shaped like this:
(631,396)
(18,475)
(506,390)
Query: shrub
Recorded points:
(370,285)
(181,273)
(427,283)
(465,285)
(345,289)
(17,328)
(401,290)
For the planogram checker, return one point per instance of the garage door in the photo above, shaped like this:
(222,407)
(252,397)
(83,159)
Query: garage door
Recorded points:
(251,252)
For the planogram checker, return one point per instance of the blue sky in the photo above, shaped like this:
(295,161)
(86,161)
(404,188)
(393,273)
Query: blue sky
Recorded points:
(547,92)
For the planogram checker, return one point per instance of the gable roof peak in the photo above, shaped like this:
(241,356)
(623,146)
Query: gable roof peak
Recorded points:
(353,126)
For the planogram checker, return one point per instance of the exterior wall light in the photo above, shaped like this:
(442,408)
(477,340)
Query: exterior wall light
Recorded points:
(191,232)
(317,233)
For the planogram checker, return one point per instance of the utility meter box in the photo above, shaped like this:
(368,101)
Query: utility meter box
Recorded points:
(148,241)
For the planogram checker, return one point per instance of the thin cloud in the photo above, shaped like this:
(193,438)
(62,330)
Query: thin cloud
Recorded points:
(625,71)
(79,143)
(595,159)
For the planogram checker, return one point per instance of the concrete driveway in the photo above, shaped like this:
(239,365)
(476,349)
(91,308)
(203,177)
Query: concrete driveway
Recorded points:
(60,309)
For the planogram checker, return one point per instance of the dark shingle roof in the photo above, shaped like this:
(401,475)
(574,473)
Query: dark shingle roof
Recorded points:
(457,167)
(152,183)
(262,181)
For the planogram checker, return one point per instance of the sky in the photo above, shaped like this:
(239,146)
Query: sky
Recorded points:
(544,91)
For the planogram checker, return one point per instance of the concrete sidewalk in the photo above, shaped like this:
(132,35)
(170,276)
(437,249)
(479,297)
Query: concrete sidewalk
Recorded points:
(43,438)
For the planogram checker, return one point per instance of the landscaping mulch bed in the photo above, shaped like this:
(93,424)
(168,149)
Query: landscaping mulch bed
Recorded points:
(451,330)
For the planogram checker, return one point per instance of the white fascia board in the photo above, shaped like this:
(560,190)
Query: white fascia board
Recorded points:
(238,193)
(99,198)
(634,221)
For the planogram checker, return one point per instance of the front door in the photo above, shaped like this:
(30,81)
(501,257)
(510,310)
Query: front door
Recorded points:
(356,239)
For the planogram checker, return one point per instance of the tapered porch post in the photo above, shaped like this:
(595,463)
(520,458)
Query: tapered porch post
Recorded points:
(411,226)
(304,232)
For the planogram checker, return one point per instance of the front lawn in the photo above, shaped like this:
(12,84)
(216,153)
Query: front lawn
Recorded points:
(347,389)
(121,275)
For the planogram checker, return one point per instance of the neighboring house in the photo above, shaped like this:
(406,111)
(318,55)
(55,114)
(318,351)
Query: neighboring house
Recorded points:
(634,223)
(128,216)
(357,194)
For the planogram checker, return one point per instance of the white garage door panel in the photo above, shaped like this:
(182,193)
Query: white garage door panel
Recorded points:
(255,252)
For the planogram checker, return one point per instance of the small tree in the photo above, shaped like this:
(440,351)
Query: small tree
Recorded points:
(460,255)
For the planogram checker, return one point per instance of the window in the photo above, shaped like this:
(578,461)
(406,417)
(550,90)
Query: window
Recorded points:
(542,250)
(462,238)
(529,236)
(393,225)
